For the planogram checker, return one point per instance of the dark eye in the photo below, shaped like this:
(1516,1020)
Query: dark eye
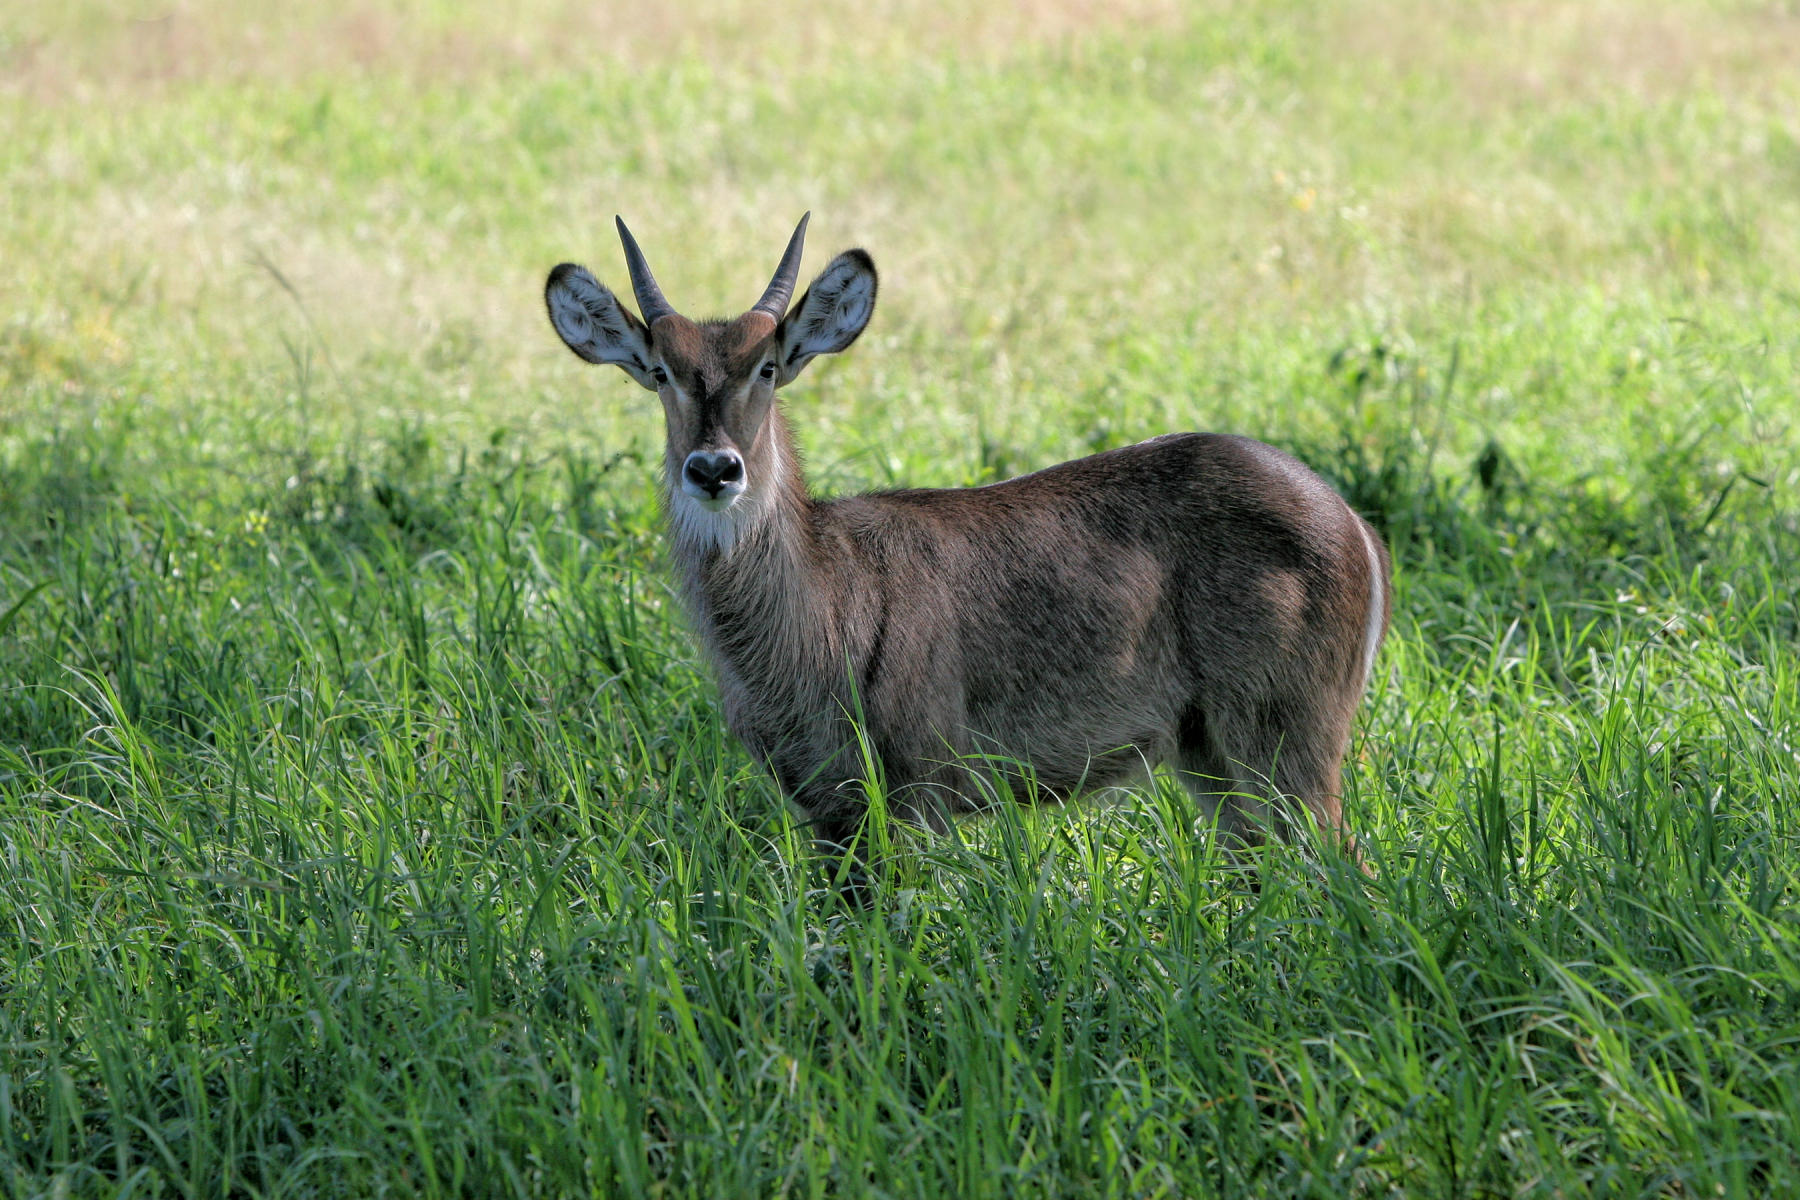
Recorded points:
(768,370)
(661,376)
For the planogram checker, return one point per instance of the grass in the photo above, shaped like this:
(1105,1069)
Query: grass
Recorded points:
(367,825)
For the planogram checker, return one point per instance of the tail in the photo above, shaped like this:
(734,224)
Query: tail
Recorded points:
(1381,598)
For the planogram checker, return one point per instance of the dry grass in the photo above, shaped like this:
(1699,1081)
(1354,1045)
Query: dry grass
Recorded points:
(101,51)
(1507,52)
(1518,54)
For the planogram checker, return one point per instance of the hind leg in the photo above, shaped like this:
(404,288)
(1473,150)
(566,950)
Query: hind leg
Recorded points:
(1221,795)
(1277,771)
(1237,805)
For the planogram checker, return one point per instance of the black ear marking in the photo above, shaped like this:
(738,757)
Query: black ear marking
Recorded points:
(832,314)
(591,322)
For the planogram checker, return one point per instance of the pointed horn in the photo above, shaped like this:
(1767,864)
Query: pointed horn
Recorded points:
(649,297)
(781,288)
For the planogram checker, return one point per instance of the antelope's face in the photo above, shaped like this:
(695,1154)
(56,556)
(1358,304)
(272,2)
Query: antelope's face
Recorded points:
(717,384)
(716,379)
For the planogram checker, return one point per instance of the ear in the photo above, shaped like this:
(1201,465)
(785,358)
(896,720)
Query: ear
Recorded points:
(834,310)
(595,325)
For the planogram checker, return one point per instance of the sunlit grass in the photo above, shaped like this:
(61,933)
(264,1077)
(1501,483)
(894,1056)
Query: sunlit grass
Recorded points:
(367,824)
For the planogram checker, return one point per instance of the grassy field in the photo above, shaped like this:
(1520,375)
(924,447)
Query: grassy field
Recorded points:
(367,825)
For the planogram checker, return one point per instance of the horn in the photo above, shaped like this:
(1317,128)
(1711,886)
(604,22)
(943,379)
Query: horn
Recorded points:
(781,288)
(649,297)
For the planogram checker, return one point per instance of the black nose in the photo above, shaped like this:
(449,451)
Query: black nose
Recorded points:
(712,470)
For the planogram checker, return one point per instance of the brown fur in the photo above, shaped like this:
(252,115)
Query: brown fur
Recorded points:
(1197,599)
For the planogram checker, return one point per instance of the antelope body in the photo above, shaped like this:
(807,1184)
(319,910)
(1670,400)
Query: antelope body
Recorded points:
(1196,599)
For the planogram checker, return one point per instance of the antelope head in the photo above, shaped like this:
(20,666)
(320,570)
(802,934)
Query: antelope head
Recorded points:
(716,379)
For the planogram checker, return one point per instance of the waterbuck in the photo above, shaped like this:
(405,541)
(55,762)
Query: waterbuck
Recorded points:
(1196,599)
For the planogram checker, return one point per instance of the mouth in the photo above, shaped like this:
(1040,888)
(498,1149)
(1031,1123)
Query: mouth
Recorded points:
(713,502)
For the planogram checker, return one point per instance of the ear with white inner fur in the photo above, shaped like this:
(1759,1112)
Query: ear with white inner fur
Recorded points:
(834,310)
(593,323)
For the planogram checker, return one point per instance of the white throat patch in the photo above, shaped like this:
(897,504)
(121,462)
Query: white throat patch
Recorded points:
(698,527)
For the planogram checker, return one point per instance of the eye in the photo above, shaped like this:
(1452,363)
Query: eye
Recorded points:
(768,370)
(661,376)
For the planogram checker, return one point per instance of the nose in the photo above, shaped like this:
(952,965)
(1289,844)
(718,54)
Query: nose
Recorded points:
(712,471)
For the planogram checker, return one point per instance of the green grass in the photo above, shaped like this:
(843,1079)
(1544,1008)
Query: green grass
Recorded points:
(367,824)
